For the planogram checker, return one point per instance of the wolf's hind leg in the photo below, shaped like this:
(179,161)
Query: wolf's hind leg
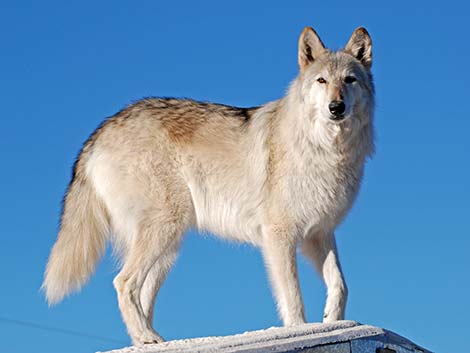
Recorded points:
(160,232)
(320,248)
(154,281)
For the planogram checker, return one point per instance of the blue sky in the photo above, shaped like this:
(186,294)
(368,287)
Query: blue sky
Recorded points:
(65,66)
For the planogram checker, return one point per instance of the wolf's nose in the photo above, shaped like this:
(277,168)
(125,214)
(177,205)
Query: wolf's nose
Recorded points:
(337,108)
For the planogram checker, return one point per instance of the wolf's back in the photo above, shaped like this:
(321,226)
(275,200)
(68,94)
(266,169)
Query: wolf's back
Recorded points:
(81,241)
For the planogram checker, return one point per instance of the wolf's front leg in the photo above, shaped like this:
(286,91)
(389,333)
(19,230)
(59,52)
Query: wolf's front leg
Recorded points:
(321,249)
(279,251)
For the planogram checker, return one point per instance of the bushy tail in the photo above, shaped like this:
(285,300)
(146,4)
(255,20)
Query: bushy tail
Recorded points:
(80,244)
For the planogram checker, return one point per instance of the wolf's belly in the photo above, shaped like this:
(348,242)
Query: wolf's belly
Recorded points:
(229,211)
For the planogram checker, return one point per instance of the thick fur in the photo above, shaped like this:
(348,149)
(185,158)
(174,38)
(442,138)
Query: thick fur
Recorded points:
(81,240)
(278,176)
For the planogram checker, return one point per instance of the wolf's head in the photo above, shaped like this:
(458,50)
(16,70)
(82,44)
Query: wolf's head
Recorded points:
(336,85)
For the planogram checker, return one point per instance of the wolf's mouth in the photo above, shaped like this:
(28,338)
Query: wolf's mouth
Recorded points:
(337,118)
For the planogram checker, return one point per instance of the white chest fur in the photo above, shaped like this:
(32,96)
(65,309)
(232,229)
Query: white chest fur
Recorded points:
(321,191)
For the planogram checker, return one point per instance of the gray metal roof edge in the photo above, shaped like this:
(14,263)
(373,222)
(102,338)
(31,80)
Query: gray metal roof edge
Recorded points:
(392,337)
(338,336)
(242,339)
(283,339)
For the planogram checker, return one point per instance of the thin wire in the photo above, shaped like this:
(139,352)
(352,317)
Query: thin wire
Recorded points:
(60,330)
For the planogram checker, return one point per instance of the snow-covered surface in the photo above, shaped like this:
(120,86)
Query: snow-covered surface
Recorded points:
(338,337)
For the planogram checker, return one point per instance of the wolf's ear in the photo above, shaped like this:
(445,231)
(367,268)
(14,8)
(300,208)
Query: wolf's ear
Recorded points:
(310,47)
(360,46)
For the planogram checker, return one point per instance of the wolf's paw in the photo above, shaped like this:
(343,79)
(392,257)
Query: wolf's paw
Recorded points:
(335,304)
(148,338)
(330,318)
(333,313)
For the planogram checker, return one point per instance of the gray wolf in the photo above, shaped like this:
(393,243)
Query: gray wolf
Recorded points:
(280,176)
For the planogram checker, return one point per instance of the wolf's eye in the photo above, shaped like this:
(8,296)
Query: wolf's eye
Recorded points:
(350,79)
(321,80)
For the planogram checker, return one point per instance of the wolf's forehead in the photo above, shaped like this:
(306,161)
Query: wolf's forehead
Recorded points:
(337,64)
